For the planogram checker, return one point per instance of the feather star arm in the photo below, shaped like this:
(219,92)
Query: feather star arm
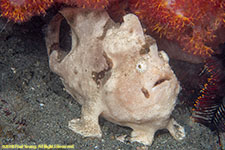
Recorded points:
(23,10)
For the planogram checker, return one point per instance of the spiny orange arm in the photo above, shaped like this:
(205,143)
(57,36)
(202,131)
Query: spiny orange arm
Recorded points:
(23,10)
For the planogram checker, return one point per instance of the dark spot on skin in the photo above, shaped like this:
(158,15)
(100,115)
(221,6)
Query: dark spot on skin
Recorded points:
(104,75)
(161,81)
(144,51)
(145,92)
(75,72)
(131,31)
(145,48)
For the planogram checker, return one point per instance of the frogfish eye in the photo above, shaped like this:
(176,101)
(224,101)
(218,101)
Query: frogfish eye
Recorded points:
(141,66)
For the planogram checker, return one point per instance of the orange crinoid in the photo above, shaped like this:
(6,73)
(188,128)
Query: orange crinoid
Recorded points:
(190,22)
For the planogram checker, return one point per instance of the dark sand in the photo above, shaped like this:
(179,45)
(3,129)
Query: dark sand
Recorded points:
(34,108)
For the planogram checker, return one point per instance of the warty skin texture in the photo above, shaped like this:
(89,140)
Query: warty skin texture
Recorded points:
(114,71)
